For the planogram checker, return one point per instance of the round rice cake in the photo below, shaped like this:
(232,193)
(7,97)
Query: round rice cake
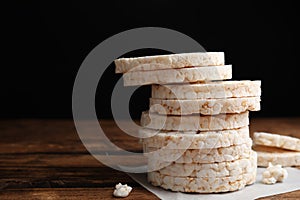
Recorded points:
(160,158)
(195,122)
(221,169)
(194,139)
(169,61)
(210,90)
(276,140)
(276,156)
(204,106)
(203,184)
(183,75)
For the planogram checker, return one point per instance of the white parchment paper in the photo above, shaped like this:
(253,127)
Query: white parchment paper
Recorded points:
(254,191)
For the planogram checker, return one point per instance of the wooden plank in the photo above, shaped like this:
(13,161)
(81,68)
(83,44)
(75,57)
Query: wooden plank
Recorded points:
(48,160)
(99,193)
(49,155)
(55,136)
(62,160)
(52,177)
(73,193)
(295,195)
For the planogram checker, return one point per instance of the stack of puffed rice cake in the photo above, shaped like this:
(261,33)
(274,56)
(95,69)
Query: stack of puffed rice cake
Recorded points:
(196,132)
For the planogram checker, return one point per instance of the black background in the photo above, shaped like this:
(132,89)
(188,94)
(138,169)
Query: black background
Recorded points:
(44,43)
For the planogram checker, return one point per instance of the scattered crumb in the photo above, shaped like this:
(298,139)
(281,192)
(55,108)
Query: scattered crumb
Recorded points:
(122,190)
(273,174)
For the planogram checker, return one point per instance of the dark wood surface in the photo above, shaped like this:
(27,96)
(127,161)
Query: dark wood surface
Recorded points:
(45,159)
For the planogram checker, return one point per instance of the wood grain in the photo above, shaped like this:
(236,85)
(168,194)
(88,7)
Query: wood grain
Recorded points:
(45,159)
(72,193)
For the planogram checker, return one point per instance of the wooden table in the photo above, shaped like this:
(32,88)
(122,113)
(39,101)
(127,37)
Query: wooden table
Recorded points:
(44,159)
